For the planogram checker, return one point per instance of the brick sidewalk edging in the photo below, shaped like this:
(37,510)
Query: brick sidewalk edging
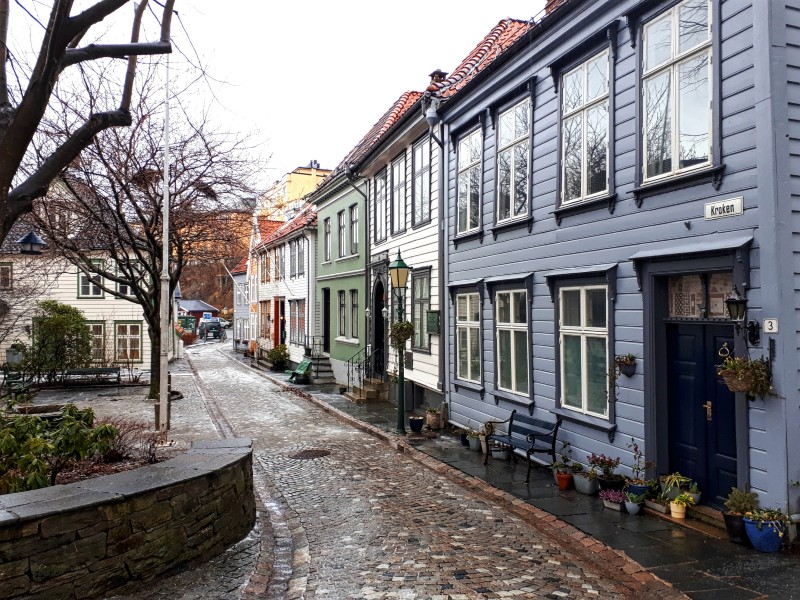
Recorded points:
(632,577)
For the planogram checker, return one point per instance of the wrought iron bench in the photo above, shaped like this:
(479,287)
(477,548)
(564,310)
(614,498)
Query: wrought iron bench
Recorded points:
(15,383)
(530,434)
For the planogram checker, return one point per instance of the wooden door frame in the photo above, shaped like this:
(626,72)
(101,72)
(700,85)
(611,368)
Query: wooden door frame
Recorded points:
(654,273)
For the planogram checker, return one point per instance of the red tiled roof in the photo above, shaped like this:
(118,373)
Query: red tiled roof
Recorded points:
(306,217)
(374,135)
(266,227)
(241,268)
(498,40)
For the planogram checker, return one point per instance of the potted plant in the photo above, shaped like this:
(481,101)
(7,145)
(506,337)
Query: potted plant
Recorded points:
(633,502)
(474,440)
(463,436)
(767,528)
(416,422)
(500,451)
(278,357)
(585,481)
(607,477)
(637,484)
(654,499)
(673,484)
(562,468)
(694,492)
(612,499)
(626,364)
(433,418)
(738,504)
(677,507)
(743,374)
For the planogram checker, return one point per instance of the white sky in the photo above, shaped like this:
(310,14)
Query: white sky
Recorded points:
(313,76)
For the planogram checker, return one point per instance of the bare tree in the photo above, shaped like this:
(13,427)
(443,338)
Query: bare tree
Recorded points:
(105,214)
(24,102)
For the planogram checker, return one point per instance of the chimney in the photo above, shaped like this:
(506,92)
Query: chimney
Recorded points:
(437,77)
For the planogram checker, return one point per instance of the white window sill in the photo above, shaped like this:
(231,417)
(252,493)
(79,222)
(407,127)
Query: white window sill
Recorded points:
(347,340)
(346,258)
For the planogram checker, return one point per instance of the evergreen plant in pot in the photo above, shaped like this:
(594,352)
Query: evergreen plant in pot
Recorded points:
(674,484)
(637,484)
(633,502)
(738,504)
(606,467)
(612,499)
(562,468)
(474,439)
(585,481)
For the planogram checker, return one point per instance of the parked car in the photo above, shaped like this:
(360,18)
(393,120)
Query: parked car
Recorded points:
(210,328)
(225,323)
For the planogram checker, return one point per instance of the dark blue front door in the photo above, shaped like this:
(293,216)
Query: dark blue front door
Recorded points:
(702,424)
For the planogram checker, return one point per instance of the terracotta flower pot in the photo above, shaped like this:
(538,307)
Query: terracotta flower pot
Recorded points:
(677,511)
(564,480)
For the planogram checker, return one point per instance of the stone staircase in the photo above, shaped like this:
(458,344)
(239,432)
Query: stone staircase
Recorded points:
(373,389)
(321,370)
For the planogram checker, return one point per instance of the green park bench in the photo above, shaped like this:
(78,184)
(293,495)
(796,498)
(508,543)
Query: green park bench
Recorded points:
(301,372)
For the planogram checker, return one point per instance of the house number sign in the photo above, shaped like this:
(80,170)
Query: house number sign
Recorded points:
(770,326)
(724,208)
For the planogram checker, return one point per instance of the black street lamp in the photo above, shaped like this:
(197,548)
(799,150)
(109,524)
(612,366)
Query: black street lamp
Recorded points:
(30,244)
(398,273)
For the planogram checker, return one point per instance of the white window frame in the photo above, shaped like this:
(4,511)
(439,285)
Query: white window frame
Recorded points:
(584,332)
(301,256)
(466,165)
(421,188)
(341,229)
(6,276)
(582,111)
(98,350)
(513,328)
(342,298)
(354,314)
(672,66)
(399,195)
(327,239)
(511,147)
(471,328)
(128,337)
(95,291)
(353,229)
(419,307)
(379,232)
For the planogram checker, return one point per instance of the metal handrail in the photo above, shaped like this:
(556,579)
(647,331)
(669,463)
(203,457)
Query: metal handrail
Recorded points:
(364,364)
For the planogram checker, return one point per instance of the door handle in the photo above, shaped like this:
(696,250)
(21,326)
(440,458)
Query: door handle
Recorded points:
(707,406)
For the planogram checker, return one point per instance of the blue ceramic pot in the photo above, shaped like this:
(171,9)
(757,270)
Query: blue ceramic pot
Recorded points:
(638,489)
(767,539)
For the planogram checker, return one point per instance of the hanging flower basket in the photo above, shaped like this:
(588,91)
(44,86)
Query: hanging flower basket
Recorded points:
(737,382)
(743,374)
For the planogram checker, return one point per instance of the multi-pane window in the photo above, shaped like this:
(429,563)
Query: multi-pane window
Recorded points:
(512,341)
(677,90)
(699,296)
(301,256)
(280,265)
(241,293)
(88,285)
(327,239)
(98,341)
(354,229)
(6,276)
(514,130)
(584,129)
(265,307)
(297,321)
(126,289)
(399,195)
(421,192)
(420,305)
(583,340)
(468,337)
(266,267)
(292,258)
(469,179)
(380,207)
(342,231)
(129,341)
(342,313)
(353,313)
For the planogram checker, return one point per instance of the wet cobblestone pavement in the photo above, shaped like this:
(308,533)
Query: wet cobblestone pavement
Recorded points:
(344,514)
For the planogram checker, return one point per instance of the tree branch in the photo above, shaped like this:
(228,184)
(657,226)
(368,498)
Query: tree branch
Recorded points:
(36,186)
(93,15)
(94,51)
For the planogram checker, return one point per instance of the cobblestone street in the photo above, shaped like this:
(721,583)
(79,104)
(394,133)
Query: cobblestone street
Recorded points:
(343,514)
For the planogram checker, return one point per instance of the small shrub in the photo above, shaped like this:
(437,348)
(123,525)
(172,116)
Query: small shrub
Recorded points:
(189,338)
(279,355)
(135,440)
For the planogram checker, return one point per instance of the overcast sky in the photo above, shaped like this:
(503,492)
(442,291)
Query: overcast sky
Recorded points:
(313,76)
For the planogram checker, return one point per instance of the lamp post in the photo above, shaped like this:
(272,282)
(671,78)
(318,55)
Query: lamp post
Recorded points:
(398,273)
(30,244)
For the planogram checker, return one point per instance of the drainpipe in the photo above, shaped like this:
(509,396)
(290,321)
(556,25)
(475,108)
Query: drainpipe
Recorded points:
(350,175)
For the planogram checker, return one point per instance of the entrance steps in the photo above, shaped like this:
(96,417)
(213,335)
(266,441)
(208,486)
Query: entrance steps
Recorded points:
(321,370)
(372,389)
(701,518)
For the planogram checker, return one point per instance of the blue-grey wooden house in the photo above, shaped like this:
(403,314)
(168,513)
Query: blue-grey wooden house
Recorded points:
(622,169)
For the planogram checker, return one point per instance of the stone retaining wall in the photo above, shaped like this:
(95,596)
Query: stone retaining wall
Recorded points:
(84,539)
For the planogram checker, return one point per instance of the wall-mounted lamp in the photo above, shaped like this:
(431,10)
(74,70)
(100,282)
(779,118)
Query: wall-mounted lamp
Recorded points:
(385,312)
(368,313)
(737,311)
(31,243)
